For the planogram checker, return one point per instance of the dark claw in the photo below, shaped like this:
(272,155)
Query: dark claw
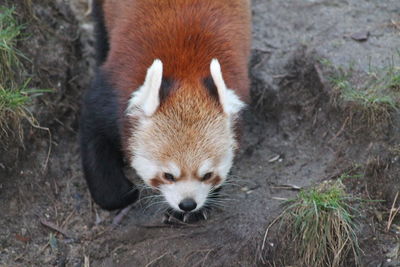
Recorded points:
(175,217)
(186,217)
(165,218)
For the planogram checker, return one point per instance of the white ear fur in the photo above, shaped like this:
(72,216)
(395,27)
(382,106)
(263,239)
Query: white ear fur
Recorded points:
(146,98)
(229,100)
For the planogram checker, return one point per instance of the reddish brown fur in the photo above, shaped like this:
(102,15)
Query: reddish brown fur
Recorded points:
(185,37)
(214,181)
(156,182)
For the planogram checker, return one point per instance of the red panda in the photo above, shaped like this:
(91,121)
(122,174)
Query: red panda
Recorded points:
(171,81)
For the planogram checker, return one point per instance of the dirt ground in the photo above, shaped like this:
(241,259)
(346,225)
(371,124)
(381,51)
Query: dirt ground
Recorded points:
(293,135)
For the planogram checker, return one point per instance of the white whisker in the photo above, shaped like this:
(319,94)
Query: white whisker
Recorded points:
(155,203)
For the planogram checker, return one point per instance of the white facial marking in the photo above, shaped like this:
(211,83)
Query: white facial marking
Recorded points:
(229,100)
(176,192)
(173,169)
(146,98)
(145,168)
(204,168)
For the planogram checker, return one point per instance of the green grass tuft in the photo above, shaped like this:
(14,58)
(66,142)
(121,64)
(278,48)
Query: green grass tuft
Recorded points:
(15,94)
(376,94)
(320,223)
(10,31)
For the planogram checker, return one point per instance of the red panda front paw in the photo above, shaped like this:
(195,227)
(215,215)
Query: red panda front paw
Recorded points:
(175,217)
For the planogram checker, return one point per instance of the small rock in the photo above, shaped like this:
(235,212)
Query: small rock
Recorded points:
(360,36)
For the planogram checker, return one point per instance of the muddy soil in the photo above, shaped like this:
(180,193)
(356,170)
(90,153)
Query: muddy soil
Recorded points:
(293,135)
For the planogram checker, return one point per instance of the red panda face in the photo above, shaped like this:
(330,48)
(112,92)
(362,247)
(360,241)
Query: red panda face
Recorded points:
(184,146)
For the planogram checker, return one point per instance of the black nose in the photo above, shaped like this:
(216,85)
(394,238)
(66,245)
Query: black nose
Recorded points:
(187,204)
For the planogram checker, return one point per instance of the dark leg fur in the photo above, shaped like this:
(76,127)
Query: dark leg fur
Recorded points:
(100,143)
(101,43)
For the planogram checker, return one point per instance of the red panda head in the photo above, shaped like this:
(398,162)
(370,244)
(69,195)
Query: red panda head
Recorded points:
(183,146)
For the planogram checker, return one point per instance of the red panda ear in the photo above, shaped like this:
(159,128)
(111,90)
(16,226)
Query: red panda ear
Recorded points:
(230,102)
(146,98)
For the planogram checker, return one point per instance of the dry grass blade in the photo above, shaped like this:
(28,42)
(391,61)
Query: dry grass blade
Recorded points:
(86,261)
(156,259)
(395,24)
(393,212)
(56,228)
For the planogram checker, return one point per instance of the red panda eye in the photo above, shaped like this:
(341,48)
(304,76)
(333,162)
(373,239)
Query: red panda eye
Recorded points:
(169,177)
(207,176)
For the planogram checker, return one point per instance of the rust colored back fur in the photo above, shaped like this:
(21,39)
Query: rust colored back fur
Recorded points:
(185,35)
